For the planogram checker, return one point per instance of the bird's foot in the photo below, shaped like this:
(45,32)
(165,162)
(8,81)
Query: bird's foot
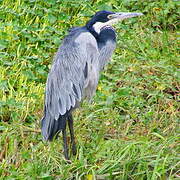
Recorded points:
(66,159)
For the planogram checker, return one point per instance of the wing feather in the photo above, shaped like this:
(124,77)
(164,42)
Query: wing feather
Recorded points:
(68,74)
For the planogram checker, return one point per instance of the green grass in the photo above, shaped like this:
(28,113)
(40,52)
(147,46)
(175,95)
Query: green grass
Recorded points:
(131,129)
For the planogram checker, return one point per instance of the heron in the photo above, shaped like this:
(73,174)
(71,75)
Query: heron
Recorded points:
(75,72)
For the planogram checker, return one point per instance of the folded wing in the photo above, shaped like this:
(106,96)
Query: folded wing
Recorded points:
(68,76)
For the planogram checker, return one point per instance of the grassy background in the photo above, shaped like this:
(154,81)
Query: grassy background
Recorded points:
(130,131)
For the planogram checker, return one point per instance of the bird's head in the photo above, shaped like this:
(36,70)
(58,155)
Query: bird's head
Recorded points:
(106,18)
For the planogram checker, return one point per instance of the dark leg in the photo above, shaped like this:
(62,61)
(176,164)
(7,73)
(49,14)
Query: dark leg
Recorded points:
(71,129)
(65,143)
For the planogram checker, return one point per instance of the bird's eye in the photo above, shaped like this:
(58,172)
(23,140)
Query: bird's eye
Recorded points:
(110,16)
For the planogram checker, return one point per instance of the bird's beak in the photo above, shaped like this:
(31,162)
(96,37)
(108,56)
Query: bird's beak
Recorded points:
(124,15)
(116,17)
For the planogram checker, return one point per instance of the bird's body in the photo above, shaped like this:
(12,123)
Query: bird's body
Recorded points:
(78,74)
(75,73)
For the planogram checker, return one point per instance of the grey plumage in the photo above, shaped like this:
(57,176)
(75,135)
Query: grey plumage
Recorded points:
(75,72)
(73,76)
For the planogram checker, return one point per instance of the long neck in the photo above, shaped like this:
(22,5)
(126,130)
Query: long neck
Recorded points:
(106,34)
(106,41)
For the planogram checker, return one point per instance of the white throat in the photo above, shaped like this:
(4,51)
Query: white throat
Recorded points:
(99,25)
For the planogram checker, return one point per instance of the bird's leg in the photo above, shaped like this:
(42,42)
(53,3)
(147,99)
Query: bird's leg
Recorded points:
(65,143)
(71,129)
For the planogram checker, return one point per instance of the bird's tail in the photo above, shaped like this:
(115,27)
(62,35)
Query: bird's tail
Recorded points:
(51,127)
